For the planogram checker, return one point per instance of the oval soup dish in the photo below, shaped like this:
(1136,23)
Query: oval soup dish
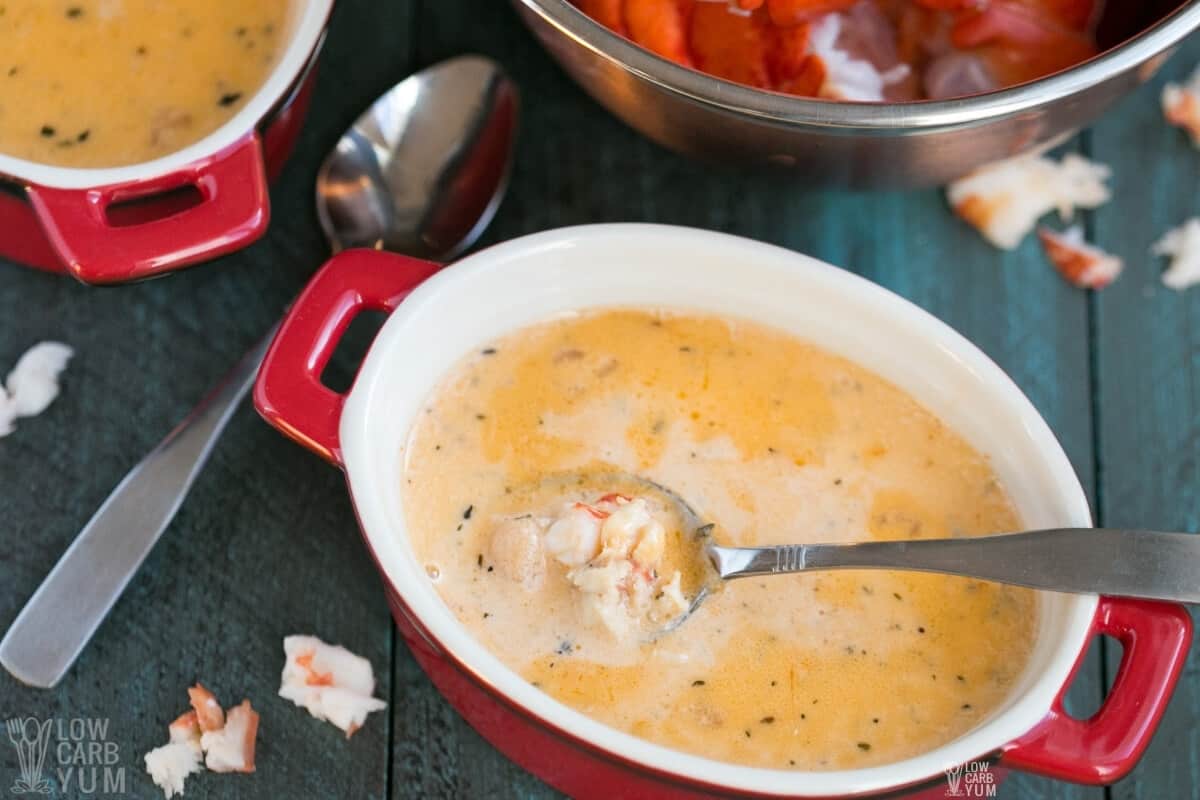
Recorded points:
(574,277)
(159,157)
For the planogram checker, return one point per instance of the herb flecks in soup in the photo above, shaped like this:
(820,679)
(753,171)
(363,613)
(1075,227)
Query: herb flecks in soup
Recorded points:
(773,440)
(104,83)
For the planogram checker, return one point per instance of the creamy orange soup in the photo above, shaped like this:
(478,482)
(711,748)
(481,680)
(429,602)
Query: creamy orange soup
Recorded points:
(104,83)
(774,441)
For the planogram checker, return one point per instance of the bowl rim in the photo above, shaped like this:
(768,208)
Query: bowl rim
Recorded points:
(310,21)
(926,115)
(362,455)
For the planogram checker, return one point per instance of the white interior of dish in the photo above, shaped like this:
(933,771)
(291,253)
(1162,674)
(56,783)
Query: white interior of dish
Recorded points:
(305,25)
(530,279)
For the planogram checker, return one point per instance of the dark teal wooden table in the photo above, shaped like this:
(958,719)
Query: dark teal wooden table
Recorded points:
(267,546)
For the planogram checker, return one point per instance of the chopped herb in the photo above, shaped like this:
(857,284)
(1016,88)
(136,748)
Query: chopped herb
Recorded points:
(803,716)
(467,513)
(771,450)
(48,132)
(487,614)
(564,648)
(837,481)
(685,349)
(229,98)
(12,71)
(766,720)
(697,683)
(241,31)
(747,732)
(83,136)
(791,762)
(772,683)
(966,706)
(864,746)
(437,447)
(488,351)
(74,12)
(875,720)
(490,569)
(65,143)
(459,528)
(960,679)
(897,595)
(479,560)
(551,665)
(480,417)
(921,629)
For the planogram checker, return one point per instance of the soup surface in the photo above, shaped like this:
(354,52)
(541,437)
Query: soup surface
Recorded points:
(774,441)
(105,83)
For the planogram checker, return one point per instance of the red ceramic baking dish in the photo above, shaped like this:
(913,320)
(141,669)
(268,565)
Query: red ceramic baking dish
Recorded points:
(438,316)
(58,218)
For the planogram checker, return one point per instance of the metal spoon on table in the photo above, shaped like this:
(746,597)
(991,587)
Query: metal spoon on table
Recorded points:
(422,173)
(1125,563)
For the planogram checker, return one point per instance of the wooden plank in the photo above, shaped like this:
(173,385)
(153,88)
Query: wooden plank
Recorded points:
(265,546)
(578,165)
(1148,366)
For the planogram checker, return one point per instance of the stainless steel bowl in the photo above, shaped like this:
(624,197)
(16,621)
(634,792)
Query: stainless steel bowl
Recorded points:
(854,144)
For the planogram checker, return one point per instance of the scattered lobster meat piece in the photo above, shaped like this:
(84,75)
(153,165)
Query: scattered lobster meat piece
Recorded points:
(170,765)
(329,681)
(231,748)
(204,737)
(32,384)
(1182,245)
(1181,105)
(1081,264)
(1005,199)
(208,711)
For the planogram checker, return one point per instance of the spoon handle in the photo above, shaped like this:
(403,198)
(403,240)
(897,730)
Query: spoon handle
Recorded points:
(1126,563)
(57,622)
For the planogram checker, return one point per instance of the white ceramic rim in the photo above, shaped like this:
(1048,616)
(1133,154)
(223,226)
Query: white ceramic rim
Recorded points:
(373,471)
(306,29)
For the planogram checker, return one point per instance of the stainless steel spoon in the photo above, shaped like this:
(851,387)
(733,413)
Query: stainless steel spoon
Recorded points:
(1119,562)
(421,172)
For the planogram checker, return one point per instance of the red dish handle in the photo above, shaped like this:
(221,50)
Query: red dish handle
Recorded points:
(288,392)
(1105,747)
(233,211)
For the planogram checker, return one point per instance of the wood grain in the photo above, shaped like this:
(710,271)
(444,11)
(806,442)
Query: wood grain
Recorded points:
(1148,362)
(267,545)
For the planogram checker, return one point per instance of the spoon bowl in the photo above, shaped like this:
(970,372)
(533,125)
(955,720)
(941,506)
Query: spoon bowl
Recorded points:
(1126,563)
(422,171)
